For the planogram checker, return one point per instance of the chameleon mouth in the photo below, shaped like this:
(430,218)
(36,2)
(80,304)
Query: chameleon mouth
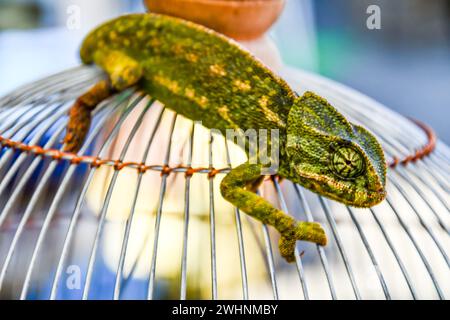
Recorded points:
(369,199)
(364,198)
(360,199)
(341,192)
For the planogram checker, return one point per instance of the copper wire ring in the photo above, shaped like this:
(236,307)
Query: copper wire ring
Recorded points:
(96,162)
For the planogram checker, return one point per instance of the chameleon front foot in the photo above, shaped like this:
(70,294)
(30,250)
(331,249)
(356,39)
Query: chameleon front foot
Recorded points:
(238,186)
(305,231)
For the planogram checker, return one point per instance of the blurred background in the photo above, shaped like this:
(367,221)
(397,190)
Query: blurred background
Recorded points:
(405,64)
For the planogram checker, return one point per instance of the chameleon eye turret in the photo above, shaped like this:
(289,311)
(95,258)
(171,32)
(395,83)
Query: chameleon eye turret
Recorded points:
(347,162)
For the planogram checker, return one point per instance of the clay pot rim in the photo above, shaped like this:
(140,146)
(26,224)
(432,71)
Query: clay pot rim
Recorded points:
(246,3)
(233,17)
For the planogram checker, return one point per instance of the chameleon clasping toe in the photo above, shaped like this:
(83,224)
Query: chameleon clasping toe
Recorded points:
(306,231)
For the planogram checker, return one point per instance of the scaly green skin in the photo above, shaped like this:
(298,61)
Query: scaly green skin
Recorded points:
(207,77)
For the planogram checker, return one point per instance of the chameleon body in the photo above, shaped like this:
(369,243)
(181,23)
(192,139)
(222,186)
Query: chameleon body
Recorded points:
(208,77)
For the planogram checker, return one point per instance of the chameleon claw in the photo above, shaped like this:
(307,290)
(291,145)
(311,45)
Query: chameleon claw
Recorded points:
(306,231)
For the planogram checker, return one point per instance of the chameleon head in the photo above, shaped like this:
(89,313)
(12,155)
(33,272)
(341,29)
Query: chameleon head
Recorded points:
(331,156)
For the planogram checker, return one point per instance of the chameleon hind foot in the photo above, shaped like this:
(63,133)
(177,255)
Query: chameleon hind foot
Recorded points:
(80,114)
(305,231)
(123,72)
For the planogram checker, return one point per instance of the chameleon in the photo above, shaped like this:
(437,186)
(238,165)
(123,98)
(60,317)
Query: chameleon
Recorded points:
(208,77)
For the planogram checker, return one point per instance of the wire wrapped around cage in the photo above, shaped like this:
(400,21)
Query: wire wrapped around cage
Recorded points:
(138,214)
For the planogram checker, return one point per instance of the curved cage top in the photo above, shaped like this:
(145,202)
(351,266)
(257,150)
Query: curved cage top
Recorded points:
(138,214)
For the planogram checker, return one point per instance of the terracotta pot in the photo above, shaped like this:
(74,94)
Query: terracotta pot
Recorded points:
(239,19)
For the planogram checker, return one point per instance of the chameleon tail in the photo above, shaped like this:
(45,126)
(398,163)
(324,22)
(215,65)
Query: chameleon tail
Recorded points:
(80,114)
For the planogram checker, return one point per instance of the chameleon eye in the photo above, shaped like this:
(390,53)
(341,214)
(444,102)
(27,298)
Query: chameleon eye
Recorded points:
(347,162)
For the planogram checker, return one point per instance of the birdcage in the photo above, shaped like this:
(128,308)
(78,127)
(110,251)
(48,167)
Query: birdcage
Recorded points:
(137,213)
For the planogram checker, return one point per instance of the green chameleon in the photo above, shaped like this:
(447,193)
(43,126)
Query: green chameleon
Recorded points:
(208,77)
